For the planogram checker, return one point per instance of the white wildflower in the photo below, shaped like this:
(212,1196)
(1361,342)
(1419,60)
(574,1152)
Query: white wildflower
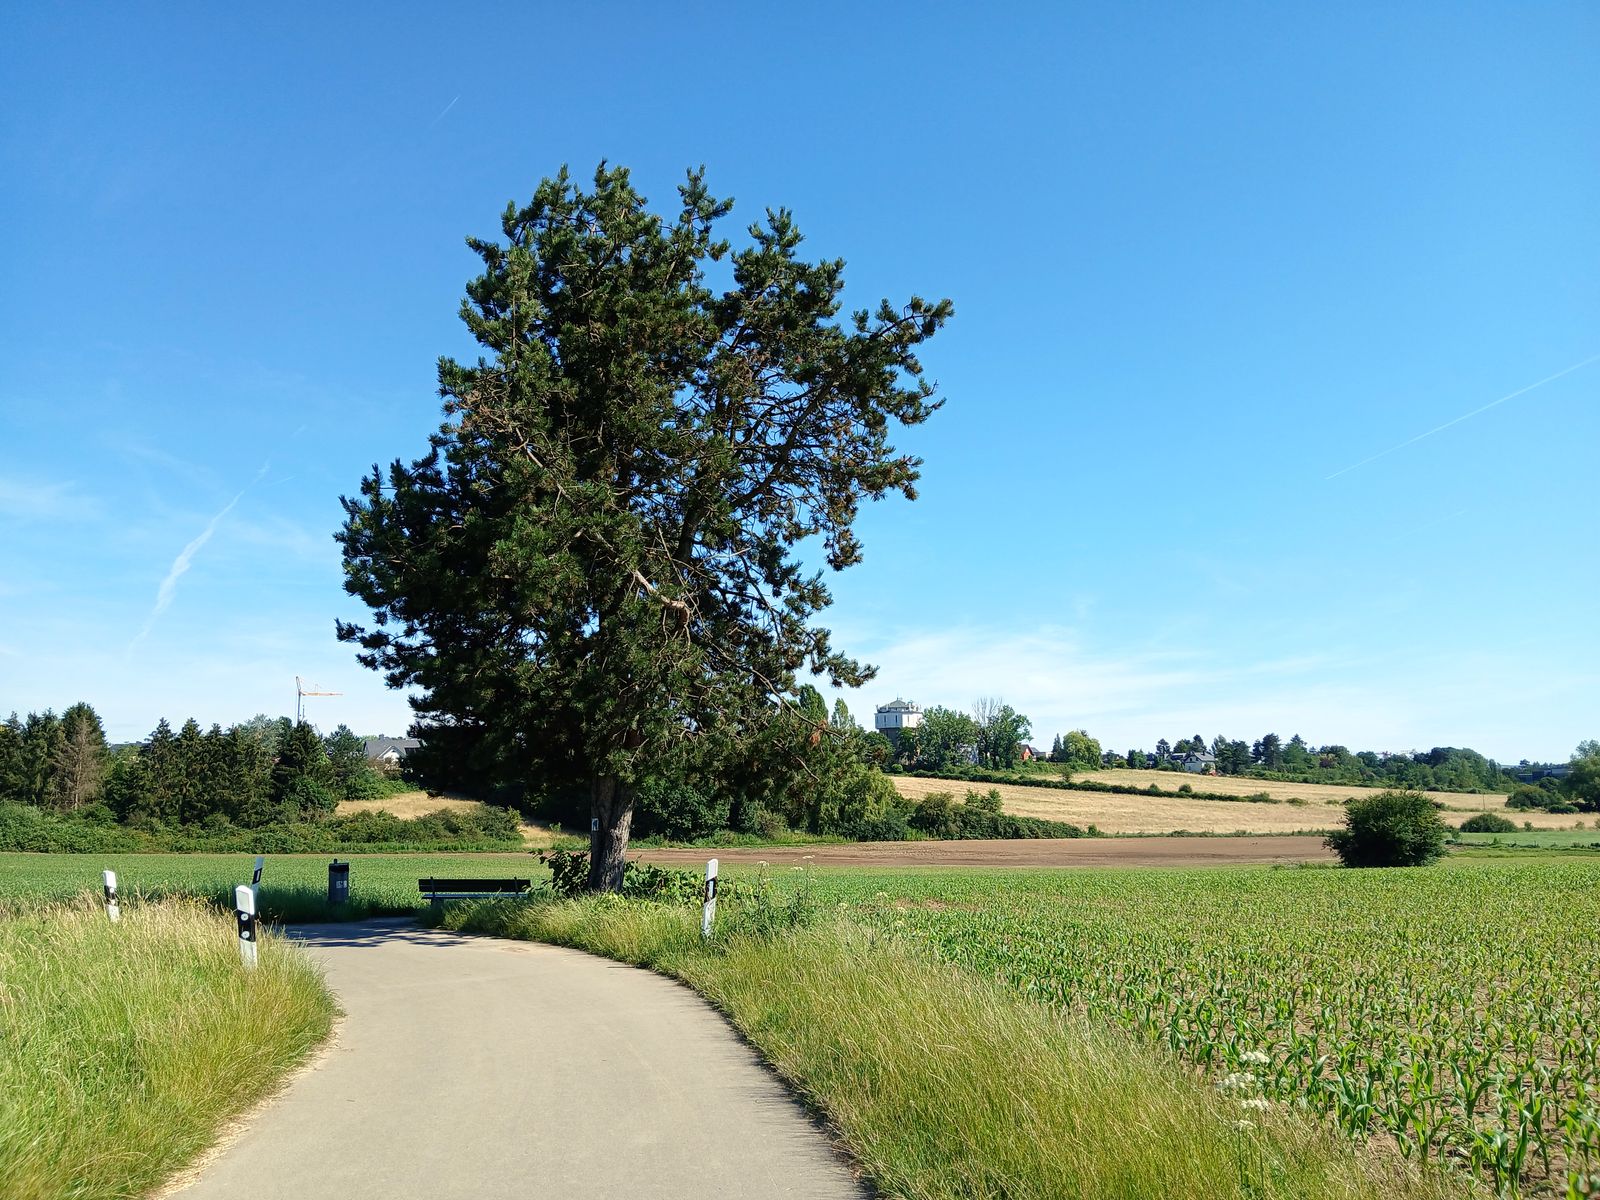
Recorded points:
(1258,1102)
(1256,1058)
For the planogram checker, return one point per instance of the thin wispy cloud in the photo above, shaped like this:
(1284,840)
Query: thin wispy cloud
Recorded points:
(443,111)
(1522,391)
(181,564)
(31,500)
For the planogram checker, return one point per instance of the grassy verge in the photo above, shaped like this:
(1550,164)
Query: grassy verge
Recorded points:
(943,1084)
(123,1048)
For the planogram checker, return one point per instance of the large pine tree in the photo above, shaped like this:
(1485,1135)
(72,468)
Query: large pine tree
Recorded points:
(595,559)
(80,759)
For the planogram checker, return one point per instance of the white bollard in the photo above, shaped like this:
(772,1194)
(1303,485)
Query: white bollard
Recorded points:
(255,879)
(112,910)
(244,904)
(710,909)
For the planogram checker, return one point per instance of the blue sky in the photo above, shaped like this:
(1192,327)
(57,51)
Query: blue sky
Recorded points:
(1205,264)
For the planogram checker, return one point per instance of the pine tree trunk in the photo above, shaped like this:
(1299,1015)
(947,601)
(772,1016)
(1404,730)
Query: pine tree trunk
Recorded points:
(611,806)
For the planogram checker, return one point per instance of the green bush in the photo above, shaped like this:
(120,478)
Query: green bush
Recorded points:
(1391,829)
(309,797)
(1488,823)
(677,811)
(569,877)
(23,827)
(987,802)
(1526,795)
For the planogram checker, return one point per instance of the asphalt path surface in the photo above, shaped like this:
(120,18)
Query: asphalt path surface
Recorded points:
(477,1068)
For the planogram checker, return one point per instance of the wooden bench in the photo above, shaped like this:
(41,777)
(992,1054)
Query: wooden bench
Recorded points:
(439,890)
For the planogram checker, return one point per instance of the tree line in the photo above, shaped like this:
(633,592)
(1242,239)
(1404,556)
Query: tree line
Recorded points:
(259,772)
(1443,768)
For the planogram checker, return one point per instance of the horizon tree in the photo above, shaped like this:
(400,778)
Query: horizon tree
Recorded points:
(79,760)
(596,558)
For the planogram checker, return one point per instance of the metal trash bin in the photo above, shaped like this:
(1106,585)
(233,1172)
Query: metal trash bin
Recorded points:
(338,882)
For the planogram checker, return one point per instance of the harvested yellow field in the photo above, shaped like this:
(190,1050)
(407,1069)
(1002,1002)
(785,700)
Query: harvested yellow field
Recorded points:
(1115,812)
(1312,793)
(410,805)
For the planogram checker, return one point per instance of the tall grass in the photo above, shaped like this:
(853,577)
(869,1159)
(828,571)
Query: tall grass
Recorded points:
(123,1048)
(944,1085)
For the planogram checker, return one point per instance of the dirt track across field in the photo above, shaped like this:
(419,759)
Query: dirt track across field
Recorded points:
(1044,852)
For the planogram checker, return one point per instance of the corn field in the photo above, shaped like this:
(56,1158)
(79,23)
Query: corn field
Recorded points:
(1454,1010)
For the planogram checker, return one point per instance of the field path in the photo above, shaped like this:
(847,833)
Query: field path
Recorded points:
(1033,852)
(476,1068)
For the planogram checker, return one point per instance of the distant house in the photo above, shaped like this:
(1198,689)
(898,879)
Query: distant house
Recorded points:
(1029,753)
(1197,762)
(1533,772)
(899,714)
(390,751)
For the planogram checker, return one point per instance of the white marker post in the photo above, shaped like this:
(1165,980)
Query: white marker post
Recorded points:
(710,910)
(112,910)
(244,904)
(255,880)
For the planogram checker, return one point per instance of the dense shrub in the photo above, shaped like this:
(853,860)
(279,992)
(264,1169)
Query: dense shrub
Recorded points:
(1526,795)
(369,784)
(677,811)
(569,877)
(885,827)
(1391,829)
(937,815)
(1487,823)
(23,827)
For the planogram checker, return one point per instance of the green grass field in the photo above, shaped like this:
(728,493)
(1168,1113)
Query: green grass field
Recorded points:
(293,886)
(1532,839)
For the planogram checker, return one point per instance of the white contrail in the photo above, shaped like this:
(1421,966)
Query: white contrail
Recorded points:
(446,109)
(180,565)
(1465,416)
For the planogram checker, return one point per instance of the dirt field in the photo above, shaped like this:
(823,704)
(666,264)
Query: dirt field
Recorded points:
(1051,852)
(1115,812)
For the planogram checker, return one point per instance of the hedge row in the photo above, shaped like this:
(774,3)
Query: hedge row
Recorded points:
(25,828)
(985,775)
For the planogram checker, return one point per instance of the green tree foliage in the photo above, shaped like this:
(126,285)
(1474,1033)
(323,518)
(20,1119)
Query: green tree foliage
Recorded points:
(218,779)
(354,778)
(594,561)
(1391,829)
(1080,752)
(1001,734)
(1268,751)
(1488,822)
(946,738)
(303,778)
(79,764)
(1582,786)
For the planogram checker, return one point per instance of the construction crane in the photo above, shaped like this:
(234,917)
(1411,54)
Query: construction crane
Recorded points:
(301,691)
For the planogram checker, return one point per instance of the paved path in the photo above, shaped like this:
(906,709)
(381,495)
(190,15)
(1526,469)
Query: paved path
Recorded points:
(475,1068)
